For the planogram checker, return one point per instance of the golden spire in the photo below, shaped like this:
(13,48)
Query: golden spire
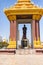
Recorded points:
(23,0)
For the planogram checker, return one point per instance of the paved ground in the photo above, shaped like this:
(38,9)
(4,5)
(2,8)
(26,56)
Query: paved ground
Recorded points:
(11,59)
(22,57)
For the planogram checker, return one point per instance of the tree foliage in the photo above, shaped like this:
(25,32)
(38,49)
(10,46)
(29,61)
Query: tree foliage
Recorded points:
(3,44)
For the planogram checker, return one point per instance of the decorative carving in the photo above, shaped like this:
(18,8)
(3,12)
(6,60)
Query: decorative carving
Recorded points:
(36,17)
(12,17)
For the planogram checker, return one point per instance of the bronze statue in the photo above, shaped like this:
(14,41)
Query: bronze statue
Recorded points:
(24,39)
(24,32)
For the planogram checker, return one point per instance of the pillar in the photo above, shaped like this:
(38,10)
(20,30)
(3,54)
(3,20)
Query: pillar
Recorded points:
(37,30)
(11,30)
(12,42)
(14,30)
(33,32)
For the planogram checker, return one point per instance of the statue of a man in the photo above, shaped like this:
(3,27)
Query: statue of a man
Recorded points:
(24,32)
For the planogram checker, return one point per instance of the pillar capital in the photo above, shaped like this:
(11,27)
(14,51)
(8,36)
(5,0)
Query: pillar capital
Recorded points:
(12,17)
(36,17)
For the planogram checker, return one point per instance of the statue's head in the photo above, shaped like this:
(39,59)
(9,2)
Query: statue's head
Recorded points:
(24,25)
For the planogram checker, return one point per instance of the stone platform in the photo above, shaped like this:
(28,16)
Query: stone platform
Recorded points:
(12,59)
(21,51)
(29,51)
(6,51)
(22,57)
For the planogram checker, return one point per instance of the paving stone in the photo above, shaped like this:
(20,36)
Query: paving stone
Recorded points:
(30,59)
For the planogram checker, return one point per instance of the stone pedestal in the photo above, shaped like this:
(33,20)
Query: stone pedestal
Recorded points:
(24,43)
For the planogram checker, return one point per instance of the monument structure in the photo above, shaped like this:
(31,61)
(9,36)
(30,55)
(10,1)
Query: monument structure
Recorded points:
(24,11)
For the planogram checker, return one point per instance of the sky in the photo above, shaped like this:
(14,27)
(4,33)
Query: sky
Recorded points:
(4,22)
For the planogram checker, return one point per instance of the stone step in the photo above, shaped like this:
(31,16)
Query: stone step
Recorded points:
(25,51)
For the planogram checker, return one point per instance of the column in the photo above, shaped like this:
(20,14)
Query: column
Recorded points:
(37,30)
(12,43)
(11,30)
(14,30)
(33,31)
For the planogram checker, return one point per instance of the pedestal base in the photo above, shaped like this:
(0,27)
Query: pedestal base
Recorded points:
(24,43)
(12,45)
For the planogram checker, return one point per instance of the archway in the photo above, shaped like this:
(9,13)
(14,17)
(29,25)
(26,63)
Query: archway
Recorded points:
(25,19)
(20,34)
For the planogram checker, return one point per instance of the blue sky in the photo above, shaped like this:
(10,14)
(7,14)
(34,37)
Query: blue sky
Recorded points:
(4,22)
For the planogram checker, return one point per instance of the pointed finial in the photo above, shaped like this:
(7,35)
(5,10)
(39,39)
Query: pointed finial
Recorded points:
(23,0)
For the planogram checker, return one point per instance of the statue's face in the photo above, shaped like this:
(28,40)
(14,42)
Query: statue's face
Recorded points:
(24,25)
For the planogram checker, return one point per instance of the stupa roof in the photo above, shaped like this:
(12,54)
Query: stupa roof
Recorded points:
(24,7)
(23,4)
